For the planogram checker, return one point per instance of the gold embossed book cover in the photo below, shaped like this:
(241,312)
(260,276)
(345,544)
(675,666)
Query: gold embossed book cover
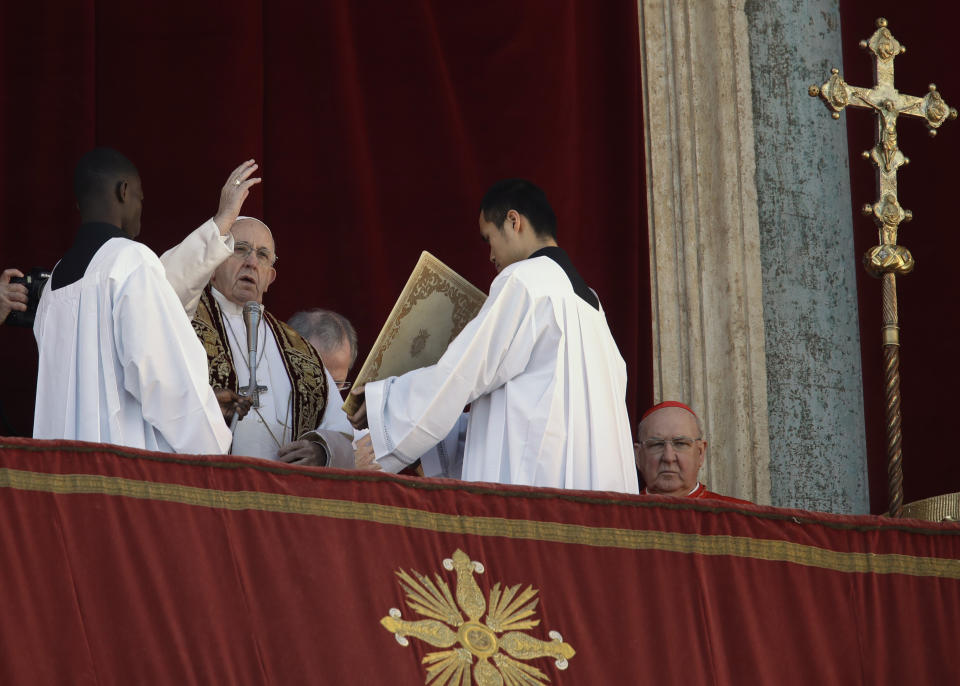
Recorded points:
(432,309)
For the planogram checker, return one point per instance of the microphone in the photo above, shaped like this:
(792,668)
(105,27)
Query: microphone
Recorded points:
(251,322)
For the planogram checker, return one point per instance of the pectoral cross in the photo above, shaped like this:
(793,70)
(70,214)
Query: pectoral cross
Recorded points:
(245,391)
(887,259)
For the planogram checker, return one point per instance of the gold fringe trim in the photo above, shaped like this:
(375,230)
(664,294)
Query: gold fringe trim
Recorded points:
(518,529)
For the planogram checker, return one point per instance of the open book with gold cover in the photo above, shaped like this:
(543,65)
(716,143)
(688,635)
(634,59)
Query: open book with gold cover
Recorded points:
(432,309)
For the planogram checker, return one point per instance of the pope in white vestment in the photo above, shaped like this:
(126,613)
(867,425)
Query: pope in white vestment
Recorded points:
(272,426)
(262,432)
(119,361)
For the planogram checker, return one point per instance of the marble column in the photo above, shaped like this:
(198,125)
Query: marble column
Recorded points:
(704,228)
(813,369)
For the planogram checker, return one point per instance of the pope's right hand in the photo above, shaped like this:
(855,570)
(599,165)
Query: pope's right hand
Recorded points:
(231,402)
(233,193)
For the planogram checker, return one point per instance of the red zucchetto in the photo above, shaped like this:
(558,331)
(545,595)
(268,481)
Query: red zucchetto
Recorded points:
(667,403)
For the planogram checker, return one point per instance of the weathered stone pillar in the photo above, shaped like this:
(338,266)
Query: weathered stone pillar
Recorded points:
(814,384)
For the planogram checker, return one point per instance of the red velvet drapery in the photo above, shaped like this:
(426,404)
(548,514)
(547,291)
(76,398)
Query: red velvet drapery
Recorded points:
(128,567)
(378,127)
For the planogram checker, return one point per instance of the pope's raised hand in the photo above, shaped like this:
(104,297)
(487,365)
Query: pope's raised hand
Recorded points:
(233,193)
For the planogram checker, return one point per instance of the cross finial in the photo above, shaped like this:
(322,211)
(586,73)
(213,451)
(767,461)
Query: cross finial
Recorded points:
(889,104)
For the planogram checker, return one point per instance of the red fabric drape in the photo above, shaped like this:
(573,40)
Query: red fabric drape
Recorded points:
(378,127)
(124,566)
(929,329)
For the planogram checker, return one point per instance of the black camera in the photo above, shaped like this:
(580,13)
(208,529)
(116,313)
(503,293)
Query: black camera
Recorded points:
(34,281)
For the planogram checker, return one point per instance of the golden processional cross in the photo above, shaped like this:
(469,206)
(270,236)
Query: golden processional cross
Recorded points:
(888,259)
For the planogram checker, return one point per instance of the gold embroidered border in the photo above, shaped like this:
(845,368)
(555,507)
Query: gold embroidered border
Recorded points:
(631,539)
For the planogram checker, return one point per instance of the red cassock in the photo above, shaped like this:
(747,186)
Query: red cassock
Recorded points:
(701,492)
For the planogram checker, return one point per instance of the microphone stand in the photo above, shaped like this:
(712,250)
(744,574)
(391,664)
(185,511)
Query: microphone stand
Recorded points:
(251,322)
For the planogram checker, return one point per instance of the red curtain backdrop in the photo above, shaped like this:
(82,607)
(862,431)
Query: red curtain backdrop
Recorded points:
(929,329)
(377,126)
(128,567)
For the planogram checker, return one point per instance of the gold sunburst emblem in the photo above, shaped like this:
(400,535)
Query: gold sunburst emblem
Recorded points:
(489,651)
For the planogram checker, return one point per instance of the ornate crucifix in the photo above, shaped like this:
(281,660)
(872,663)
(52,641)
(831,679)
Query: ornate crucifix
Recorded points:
(888,259)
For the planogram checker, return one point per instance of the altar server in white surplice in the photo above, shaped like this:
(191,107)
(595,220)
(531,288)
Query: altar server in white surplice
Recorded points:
(119,361)
(543,376)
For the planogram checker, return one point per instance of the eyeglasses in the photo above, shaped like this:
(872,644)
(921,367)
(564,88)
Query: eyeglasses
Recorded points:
(242,250)
(681,444)
(344,385)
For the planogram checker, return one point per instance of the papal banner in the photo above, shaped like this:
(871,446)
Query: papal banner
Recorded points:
(129,567)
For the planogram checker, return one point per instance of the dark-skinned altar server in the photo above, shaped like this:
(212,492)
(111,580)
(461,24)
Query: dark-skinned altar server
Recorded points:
(119,362)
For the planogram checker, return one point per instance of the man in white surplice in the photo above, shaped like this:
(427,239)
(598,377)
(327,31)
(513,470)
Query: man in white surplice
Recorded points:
(543,376)
(119,362)
(299,420)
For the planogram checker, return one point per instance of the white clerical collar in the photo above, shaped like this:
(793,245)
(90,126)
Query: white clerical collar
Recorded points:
(646,491)
(228,306)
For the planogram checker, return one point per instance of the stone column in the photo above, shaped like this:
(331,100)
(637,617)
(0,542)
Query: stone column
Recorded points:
(814,384)
(704,232)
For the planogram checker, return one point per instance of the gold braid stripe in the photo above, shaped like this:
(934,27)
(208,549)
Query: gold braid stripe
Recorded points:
(631,539)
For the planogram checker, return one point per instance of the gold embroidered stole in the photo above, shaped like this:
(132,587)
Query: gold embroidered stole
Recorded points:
(308,381)
(208,324)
